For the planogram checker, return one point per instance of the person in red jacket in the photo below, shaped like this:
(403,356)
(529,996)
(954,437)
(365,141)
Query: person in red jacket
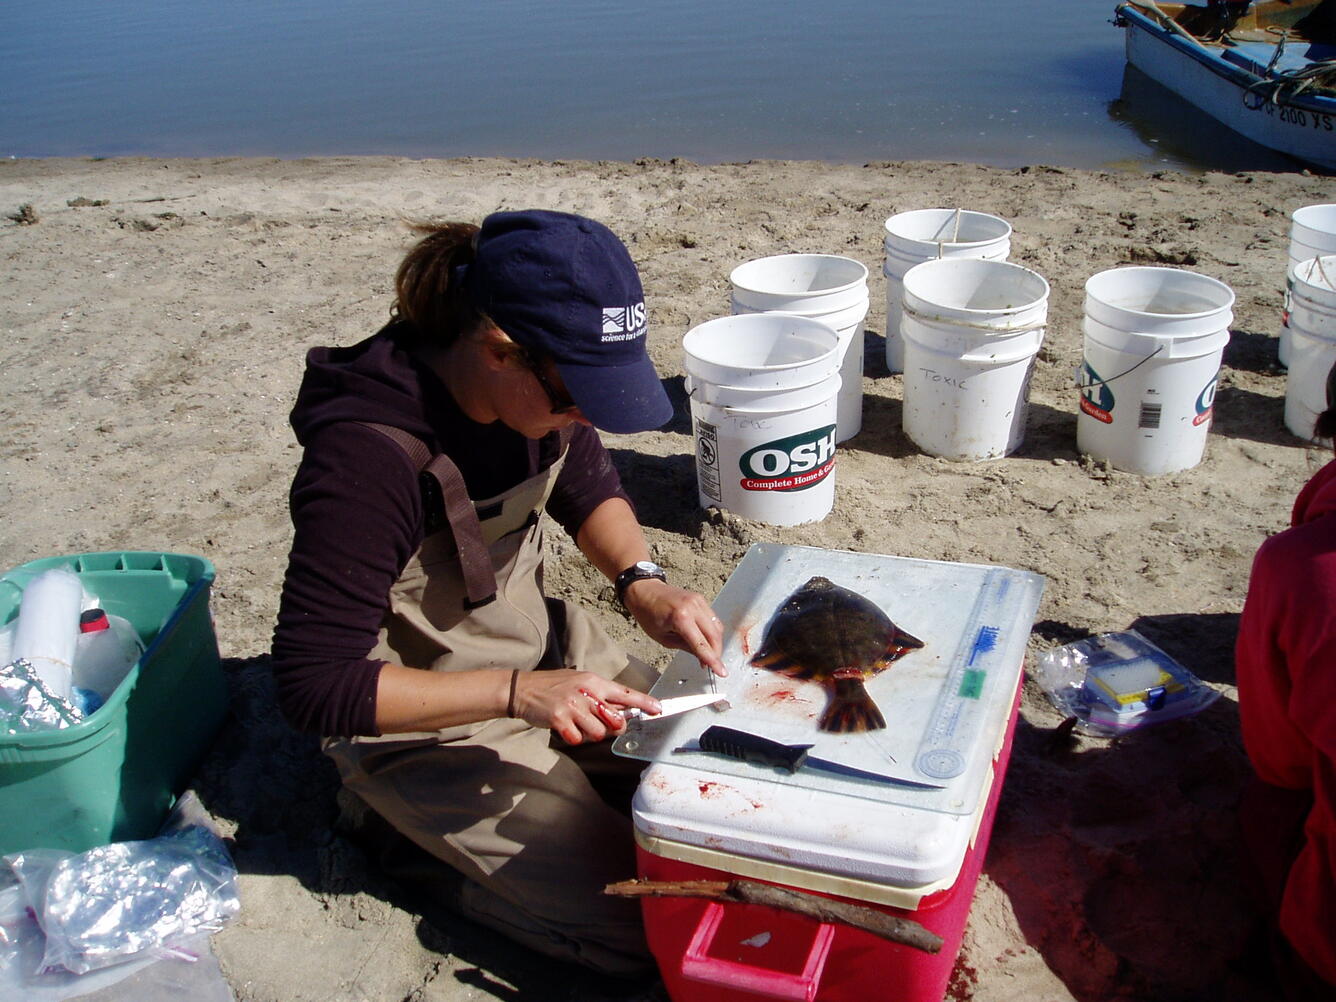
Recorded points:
(1286,664)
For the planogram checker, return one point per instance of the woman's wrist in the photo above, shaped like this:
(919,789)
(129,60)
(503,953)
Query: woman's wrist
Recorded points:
(641,570)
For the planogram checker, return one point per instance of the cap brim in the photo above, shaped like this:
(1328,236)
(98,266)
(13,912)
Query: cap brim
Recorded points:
(620,399)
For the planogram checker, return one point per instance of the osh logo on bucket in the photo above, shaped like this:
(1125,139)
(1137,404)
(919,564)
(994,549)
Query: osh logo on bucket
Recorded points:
(794,463)
(623,323)
(1205,404)
(1096,397)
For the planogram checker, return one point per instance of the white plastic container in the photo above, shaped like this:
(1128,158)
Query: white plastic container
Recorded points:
(47,633)
(925,235)
(1312,234)
(107,649)
(799,283)
(972,328)
(763,390)
(1154,338)
(1312,344)
(848,326)
(822,287)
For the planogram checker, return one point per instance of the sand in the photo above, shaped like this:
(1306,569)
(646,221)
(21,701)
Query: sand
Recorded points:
(157,313)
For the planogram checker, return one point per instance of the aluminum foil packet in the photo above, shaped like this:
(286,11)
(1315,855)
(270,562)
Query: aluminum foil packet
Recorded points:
(27,705)
(117,901)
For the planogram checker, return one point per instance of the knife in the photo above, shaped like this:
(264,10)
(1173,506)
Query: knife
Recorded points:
(746,747)
(675,704)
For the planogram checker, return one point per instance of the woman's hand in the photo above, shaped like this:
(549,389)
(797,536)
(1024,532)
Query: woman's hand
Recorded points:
(677,618)
(579,705)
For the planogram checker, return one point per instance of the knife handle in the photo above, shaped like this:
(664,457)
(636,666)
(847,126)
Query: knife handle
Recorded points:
(752,748)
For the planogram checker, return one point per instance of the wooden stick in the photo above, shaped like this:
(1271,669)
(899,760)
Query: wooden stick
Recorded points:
(750,892)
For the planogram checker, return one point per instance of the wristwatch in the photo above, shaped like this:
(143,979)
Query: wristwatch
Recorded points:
(638,571)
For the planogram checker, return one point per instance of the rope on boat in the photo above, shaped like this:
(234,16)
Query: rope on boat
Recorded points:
(1284,87)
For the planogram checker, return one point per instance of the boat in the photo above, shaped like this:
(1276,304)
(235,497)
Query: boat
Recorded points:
(1267,70)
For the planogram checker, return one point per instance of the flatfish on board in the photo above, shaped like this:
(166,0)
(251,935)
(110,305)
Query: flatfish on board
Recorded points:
(835,636)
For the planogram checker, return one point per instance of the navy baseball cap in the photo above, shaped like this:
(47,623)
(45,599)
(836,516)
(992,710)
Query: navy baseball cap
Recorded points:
(565,286)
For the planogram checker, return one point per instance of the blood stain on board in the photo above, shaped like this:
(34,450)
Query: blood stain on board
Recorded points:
(744,633)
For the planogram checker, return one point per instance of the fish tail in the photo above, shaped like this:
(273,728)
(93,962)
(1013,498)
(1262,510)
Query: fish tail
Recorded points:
(851,709)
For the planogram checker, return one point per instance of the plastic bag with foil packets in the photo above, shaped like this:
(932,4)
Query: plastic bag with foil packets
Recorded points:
(26,704)
(117,901)
(1116,682)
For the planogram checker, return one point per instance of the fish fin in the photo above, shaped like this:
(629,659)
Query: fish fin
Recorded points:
(790,669)
(781,664)
(906,640)
(851,710)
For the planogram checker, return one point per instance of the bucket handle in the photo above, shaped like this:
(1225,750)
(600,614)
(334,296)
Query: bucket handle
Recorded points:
(697,965)
(1105,382)
(1321,270)
(920,315)
(955,235)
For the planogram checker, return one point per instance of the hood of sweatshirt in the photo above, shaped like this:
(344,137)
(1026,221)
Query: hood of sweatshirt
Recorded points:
(377,380)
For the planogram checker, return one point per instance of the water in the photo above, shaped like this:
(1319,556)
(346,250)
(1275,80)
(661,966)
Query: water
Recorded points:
(983,81)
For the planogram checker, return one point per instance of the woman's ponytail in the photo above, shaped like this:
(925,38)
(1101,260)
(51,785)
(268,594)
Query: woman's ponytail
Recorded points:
(427,294)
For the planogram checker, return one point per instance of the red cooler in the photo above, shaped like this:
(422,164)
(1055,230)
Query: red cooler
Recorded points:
(896,819)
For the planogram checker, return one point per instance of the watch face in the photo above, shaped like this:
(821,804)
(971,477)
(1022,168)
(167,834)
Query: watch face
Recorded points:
(648,566)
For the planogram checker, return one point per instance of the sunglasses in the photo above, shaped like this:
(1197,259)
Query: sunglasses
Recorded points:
(561,401)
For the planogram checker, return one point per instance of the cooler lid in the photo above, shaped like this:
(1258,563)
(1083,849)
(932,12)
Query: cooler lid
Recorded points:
(807,839)
(946,705)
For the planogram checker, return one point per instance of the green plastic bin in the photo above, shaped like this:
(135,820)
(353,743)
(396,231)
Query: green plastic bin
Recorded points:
(115,776)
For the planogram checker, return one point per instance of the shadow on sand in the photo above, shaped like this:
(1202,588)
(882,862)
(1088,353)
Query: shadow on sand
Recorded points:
(280,791)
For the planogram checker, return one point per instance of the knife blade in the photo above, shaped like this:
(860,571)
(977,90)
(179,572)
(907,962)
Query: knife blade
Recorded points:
(744,746)
(674,705)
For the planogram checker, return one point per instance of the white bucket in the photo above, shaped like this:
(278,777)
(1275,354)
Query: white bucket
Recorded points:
(763,392)
(1153,343)
(822,287)
(924,235)
(848,326)
(799,283)
(1312,234)
(1312,343)
(971,330)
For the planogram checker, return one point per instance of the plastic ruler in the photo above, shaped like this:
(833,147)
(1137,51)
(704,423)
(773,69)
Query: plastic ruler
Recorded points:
(980,663)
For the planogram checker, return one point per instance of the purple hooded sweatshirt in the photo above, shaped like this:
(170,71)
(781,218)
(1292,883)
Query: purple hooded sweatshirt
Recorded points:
(357,513)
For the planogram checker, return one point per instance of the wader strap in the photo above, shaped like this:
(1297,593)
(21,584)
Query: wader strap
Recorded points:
(551,447)
(474,560)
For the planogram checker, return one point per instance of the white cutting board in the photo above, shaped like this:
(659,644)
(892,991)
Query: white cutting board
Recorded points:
(943,604)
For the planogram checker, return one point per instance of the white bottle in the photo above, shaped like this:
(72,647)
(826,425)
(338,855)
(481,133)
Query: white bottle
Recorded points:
(7,641)
(108,648)
(48,627)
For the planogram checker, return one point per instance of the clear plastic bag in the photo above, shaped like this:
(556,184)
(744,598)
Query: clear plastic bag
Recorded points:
(1116,682)
(127,899)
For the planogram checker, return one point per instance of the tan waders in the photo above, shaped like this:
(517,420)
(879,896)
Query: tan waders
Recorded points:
(496,801)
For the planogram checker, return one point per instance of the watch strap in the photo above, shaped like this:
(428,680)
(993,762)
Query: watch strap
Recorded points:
(642,570)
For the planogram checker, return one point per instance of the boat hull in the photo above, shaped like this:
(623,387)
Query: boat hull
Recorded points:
(1303,128)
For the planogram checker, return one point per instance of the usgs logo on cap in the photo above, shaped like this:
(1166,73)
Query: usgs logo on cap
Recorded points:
(794,463)
(623,323)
